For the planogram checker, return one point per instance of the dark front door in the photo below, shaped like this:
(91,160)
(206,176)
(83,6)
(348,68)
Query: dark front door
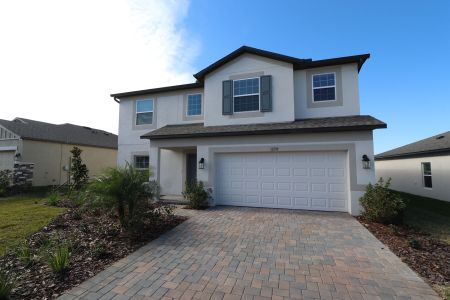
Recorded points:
(191,167)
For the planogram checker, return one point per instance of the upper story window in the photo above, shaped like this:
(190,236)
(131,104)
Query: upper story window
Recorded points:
(144,112)
(194,105)
(246,95)
(426,174)
(324,87)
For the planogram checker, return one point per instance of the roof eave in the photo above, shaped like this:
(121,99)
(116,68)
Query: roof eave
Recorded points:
(414,154)
(266,132)
(164,89)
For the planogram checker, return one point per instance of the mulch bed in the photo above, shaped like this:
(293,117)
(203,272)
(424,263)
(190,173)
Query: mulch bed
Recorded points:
(429,257)
(96,240)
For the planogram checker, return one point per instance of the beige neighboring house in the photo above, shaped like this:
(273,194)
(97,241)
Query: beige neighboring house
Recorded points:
(48,147)
(420,168)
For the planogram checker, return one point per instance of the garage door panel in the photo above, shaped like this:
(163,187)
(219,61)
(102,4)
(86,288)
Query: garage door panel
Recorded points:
(301,180)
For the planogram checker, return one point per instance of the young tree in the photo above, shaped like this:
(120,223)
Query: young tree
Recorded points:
(78,169)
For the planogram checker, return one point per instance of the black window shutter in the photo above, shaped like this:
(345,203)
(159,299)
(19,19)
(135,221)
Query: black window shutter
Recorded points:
(227,97)
(266,93)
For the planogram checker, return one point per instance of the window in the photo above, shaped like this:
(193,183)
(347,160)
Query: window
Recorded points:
(246,95)
(426,174)
(141,162)
(324,87)
(144,112)
(194,105)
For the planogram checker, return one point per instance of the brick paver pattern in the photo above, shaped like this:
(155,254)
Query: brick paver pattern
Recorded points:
(256,253)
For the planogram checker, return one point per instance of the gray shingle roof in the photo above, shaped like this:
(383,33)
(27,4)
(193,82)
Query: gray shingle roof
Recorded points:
(63,133)
(347,123)
(439,143)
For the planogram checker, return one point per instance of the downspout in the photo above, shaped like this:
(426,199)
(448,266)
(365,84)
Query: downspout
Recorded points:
(117,100)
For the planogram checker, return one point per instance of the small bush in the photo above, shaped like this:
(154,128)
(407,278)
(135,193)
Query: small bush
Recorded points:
(59,259)
(414,243)
(53,198)
(5,182)
(6,285)
(101,252)
(25,255)
(381,204)
(196,195)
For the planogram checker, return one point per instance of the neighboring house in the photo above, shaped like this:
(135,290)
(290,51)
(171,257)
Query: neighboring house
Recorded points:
(48,147)
(421,168)
(260,129)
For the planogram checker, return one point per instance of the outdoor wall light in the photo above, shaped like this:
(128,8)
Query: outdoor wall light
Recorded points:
(366,162)
(201,163)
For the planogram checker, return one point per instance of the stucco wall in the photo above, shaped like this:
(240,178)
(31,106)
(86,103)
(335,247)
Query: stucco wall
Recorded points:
(355,143)
(350,93)
(282,90)
(406,175)
(49,159)
(169,108)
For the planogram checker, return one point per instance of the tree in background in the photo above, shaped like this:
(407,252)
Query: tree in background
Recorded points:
(78,169)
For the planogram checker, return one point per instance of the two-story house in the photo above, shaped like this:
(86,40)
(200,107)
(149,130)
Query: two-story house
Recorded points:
(260,129)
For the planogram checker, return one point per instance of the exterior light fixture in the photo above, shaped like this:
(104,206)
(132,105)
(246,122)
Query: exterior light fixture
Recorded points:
(366,162)
(201,163)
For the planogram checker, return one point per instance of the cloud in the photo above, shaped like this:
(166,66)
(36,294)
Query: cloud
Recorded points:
(60,60)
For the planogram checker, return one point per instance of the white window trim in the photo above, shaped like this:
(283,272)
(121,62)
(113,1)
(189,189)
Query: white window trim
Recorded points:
(187,105)
(143,112)
(424,175)
(134,161)
(259,95)
(323,87)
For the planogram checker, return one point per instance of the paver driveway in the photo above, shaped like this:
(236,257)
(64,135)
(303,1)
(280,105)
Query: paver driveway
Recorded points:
(251,253)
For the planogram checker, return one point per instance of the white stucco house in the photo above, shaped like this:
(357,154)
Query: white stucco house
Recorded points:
(260,129)
(420,168)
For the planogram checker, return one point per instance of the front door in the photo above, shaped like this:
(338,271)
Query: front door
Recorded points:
(191,167)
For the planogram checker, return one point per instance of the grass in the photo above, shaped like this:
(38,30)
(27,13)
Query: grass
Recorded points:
(20,216)
(428,215)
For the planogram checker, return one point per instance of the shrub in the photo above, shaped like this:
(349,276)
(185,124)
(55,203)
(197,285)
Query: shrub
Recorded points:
(196,195)
(126,190)
(59,259)
(53,198)
(78,169)
(25,255)
(5,182)
(381,204)
(6,285)
(414,243)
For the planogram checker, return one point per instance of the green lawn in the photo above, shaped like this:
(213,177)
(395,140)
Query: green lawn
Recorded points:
(429,215)
(21,216)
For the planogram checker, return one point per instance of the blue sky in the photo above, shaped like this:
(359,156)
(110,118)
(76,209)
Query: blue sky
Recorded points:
(405,83)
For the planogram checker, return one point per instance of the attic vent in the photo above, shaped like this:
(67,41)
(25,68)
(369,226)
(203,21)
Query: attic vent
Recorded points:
(440,137)
(94,131)
(105,133)
(88,128)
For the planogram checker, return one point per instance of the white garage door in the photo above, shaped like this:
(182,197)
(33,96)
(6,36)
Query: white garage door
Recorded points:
(299,180)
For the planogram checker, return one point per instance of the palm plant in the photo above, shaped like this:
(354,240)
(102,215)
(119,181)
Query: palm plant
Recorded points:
(122,187)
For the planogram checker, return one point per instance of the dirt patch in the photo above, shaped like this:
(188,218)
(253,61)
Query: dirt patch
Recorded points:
(95,240)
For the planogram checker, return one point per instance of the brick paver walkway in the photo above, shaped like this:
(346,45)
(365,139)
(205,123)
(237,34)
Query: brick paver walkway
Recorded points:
(251,253)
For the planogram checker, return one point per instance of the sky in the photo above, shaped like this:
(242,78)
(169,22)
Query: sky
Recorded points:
(60,60)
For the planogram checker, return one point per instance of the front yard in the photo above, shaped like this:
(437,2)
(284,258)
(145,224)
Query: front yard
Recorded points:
(21,216)
(423,241)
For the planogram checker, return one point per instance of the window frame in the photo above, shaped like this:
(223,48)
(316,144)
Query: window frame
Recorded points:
(324,87)
(426,175)
(254,94)
(144,112)
(141,155)
(187,105)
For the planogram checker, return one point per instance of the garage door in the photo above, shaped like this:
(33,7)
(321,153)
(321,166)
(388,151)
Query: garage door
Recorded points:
(296,180)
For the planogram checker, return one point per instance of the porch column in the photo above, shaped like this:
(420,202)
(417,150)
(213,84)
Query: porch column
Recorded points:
(155,162)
